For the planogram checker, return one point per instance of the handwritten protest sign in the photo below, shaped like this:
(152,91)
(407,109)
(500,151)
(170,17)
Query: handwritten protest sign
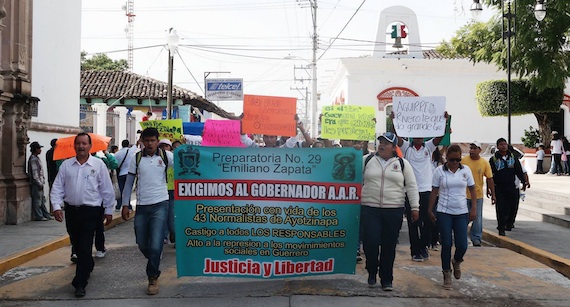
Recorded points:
(271,213)
(167,129)
(222,133)
(269,115)
(348,123)
(419,116)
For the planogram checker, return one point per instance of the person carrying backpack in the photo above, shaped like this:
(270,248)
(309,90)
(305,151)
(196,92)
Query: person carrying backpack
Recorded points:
(386,180)
(149,168)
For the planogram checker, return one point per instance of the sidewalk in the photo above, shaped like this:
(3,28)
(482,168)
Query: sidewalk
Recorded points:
(541,241)
(24,242)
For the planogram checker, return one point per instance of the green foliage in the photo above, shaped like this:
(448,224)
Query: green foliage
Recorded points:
(538,49)
(531,137)
(491,98)
(102,62)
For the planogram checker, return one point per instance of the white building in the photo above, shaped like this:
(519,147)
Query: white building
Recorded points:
(372,81)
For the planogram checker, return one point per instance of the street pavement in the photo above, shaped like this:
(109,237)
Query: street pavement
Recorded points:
(492,276)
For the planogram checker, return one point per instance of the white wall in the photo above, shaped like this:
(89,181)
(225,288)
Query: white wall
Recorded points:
(362,79)
(56,60)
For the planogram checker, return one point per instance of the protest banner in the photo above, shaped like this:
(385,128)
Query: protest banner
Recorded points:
(298,217)
(269,115)
(167,128)
(348,122)
(222,133)
(419,116)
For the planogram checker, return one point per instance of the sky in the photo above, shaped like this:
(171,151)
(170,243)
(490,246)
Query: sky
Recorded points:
(259,41)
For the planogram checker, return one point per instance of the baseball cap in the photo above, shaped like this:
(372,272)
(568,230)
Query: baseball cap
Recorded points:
(391,137)
(165,141)
(476,144)
(35,145)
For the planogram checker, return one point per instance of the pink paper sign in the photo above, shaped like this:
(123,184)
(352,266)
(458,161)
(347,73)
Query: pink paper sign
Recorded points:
(222,133)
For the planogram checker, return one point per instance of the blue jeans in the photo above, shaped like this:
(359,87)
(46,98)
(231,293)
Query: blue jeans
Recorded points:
(39,209)
(169,226)
(380,229)
(456,224)
(476,232)
(149,232)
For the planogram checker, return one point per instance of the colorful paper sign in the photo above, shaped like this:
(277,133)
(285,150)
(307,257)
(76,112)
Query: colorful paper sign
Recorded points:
(348,122)
(269,115)
(266,213)
(167,129)
(419,116)
(222,133)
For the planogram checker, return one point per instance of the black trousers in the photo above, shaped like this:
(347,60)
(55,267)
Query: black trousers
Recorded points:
(80,223)
(419,231)
(506,206)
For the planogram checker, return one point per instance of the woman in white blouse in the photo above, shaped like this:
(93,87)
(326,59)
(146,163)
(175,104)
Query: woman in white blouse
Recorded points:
(450,182)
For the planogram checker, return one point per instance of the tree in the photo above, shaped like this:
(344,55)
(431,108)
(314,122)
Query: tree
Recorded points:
(539,50)
(491,99)
(101,61)
(539,53)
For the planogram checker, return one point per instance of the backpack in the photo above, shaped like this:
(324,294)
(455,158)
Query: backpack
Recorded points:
(162,154)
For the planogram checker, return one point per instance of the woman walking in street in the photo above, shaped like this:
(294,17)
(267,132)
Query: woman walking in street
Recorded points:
(386,179)
(450,182)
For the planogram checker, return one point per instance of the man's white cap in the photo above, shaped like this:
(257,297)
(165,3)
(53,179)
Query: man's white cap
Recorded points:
(554,132)
(476,144)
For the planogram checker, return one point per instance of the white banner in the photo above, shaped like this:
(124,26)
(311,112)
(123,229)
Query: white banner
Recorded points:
(419,116)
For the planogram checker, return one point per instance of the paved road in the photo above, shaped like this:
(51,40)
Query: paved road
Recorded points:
(491,277)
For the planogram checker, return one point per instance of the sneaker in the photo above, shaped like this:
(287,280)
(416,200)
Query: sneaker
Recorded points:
(456,268)
(165,241)
(434,247)
(502,233)
(476,243)
(371,280)
(73,258)
(358,257)
(152,288)
(388,287)
(100,254)
(425,254)
(417,258)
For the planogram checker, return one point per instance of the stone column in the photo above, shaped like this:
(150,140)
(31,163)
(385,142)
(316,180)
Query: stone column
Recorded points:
(121,130)
(100,119)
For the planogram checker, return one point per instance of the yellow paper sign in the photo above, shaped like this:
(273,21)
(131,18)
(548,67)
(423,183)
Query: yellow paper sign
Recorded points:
(167,129)
(348,122)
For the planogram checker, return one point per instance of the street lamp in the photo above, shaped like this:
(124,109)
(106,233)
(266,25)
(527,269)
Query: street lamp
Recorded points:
(172,41)
(539,13)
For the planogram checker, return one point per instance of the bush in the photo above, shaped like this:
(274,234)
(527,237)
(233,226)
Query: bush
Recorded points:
(531,137)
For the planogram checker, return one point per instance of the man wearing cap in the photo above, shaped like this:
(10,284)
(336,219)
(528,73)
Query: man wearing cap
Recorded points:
(418,152)
(37,182)
(479,168)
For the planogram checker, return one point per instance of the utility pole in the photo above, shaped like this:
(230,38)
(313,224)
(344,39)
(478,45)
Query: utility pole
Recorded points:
(314,94)
(307,104)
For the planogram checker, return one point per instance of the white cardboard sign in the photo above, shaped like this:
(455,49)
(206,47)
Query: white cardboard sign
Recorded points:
(419,116)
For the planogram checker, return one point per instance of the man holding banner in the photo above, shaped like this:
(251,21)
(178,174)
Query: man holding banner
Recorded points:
(418,118)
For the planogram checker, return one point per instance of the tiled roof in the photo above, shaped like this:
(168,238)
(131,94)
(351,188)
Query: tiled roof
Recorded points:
(428,54)
(107,84)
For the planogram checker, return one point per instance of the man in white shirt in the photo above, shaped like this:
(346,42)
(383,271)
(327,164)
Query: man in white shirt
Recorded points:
(123,158)
(82,184)
(152,202)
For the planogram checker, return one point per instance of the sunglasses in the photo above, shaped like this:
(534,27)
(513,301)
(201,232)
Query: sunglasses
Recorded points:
(454,160)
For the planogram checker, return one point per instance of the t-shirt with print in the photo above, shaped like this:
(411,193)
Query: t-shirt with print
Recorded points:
(420,159)
(480,168)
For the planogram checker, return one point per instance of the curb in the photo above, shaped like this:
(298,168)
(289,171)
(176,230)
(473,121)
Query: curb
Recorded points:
(561,265)
(32,253)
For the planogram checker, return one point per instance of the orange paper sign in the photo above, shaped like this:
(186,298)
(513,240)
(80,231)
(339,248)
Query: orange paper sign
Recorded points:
(269,115)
